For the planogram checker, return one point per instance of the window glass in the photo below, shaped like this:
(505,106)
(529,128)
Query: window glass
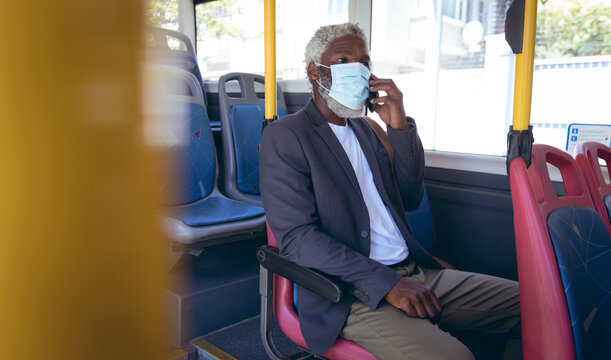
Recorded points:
(572,75)
(456,70)
(163,13)
(230,34)
(453,66)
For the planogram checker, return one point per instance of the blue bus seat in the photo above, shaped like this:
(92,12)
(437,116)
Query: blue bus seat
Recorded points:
(564,258)
(195,214)
(588,155)
(421,222)
(174,48)
(241,124)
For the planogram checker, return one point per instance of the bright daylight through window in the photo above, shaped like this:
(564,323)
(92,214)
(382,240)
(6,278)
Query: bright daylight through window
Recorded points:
(230,34)
(457,71)
(449,57)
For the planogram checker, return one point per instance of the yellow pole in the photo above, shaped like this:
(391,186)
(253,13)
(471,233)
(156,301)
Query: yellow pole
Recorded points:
(78,247)
(270,59)
(524,69)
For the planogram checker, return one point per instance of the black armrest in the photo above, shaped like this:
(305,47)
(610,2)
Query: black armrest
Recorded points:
(310,279)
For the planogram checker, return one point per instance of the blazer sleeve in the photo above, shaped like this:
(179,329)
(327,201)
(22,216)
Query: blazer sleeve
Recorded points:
(290,206)
(408,163)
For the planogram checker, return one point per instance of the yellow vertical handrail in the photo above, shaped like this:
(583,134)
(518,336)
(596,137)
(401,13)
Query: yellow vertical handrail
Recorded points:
(79,257)
(270,59)
(524,69)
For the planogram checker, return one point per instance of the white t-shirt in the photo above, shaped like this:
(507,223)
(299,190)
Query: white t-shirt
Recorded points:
(387,244)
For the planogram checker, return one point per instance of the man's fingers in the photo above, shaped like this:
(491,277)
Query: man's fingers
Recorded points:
(430,308)
(389,89)
(379,99)
(410,310)
(420,309)
(383,86)
(435,301)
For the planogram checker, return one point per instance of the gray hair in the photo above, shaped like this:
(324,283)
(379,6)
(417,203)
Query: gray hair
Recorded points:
(325,35)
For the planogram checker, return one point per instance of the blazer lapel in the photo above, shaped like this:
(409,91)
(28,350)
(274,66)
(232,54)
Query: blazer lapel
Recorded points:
(325,132)
(371,159)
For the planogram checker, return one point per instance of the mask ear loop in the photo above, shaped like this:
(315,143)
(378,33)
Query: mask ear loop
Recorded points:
(318,81)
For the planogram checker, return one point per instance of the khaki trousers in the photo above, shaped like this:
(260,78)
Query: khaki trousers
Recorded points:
(469,302)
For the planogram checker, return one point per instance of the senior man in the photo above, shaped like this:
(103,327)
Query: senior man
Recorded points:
(328,189)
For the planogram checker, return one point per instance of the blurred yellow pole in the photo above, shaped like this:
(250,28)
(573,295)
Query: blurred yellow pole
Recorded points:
(270,58)
(524,69)
(78,248)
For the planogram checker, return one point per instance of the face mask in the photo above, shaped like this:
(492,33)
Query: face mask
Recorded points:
(349,84)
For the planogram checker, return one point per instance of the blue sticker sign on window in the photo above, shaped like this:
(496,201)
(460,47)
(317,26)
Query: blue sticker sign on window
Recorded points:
(582,133)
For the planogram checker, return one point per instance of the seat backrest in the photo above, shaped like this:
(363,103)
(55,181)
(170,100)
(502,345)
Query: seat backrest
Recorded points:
(241,124)
(174,48)
(177,118)
(421,223)
(564,256)
(588,155)
(288,320)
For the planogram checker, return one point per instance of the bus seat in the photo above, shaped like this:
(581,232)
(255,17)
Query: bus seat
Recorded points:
(174,48)
(421,223)
(195,214)
(279,296)
(564,258)
(587,158)
(241,124)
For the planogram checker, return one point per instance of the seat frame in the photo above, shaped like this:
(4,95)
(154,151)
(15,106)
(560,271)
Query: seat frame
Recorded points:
(546,327)
(248,96)
(183,236)
(277,276)
(587,159)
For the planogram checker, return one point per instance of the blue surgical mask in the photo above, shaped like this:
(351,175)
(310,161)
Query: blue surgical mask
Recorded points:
(349,84)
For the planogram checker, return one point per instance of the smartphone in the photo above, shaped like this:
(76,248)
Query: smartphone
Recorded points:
(372,95)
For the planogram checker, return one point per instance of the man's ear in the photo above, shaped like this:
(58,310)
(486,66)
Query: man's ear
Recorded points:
(312,71)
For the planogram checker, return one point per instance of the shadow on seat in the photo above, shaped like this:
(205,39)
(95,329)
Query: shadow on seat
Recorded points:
(587,158)
(242,119)
(564,258)
(279,297)
(195,214)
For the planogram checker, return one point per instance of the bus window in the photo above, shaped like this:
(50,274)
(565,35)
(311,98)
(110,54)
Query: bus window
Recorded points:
(230,34)
(163,14)
(457,72)
(572,74)
(454,69)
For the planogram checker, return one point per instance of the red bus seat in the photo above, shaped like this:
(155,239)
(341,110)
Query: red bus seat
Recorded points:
(587,159)
(281,299)
(564,257)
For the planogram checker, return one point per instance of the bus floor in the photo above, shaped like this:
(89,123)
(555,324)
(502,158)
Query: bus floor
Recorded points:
(242,341)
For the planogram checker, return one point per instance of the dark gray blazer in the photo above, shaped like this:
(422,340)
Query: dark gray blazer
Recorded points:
(318,216)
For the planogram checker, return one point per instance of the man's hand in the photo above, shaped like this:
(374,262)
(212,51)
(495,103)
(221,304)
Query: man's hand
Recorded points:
(389,107)
(415,299)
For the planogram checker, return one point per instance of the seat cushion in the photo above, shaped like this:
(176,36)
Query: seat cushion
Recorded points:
(246,123)
(213,210)
(583,251)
